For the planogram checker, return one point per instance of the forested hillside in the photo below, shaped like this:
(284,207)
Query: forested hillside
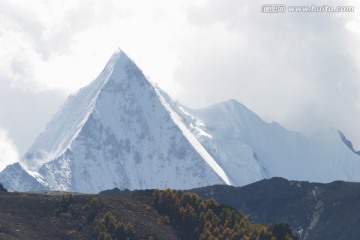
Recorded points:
(147,214)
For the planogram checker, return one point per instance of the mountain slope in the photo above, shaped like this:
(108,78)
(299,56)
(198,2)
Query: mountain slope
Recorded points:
(316,211)
(117,132)
(249,149)
(49,217)
(140,215)
(15,178)
(121,131)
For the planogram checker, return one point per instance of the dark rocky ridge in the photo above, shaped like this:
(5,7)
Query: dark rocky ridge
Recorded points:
(2,189)
(348,143)
(317,211)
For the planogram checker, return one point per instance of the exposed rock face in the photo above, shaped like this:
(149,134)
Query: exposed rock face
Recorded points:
(2,189)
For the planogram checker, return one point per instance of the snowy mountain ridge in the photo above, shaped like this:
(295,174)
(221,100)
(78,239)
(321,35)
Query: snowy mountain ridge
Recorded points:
(117,132)
(250,149)
(122,131)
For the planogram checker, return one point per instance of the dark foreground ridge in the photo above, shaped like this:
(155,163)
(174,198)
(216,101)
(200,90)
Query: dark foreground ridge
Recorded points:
(316,211)
(146,214)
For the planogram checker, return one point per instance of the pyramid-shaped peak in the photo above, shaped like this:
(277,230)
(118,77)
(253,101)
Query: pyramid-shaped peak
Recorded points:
(119,57)
(119,53)
(73,113)
(118,132)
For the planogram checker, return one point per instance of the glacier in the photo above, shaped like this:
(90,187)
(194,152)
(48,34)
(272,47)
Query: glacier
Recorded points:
(123,131)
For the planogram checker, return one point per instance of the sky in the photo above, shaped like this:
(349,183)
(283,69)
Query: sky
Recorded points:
(301,70)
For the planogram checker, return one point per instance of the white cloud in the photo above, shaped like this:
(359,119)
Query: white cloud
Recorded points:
(64,45)
(8,152)
(301,70)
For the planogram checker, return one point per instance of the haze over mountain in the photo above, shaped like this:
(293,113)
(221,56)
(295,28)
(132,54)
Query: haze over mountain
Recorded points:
(122,131)
(249,149)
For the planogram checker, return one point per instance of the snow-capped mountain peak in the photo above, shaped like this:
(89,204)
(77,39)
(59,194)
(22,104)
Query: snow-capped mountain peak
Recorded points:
(117,132)
(67,122)
(123,131)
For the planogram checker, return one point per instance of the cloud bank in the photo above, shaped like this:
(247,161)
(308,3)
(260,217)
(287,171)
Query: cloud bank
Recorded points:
(8,151)
(298,69)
